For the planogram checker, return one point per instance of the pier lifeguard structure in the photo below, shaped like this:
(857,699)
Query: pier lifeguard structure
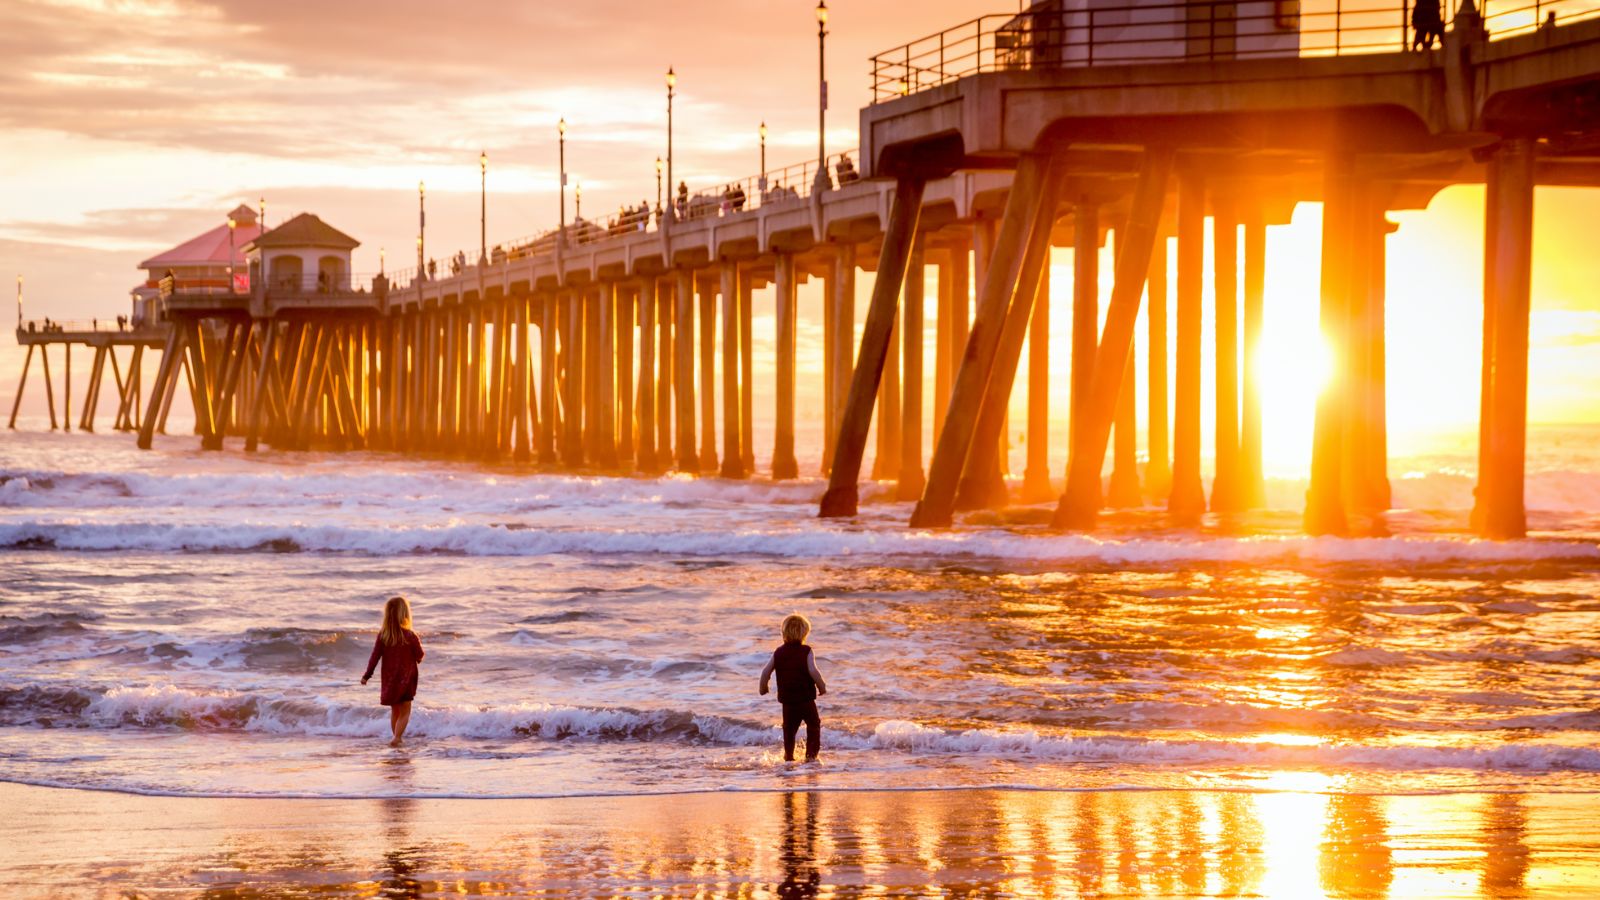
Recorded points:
(985,144)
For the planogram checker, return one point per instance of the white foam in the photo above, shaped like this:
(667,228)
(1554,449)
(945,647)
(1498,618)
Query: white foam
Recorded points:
(168,705)
(805,539)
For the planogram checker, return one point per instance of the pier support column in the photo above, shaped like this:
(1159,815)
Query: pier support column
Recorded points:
(1507,288)
(843,337)
(1158,470)
(1085,317)
(1365,477)
(524,404)
(830,347)
(627,298)
(1036,473)
(783,460)
(572,352)
(747,368)
(732,412)
(708,374)
(1253,492)
(842,495)
(1325,506)
(647,459)
(1225,488)
(1080,501)
(16,402)
(943,363)
(550,420)
(605,364)
(1024,208)
(164,374)
(683,371)
(665,367)
(982,484)
(912,331)
(1188,499)
(269,332)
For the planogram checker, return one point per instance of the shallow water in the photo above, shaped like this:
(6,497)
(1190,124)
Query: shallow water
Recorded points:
(178,622)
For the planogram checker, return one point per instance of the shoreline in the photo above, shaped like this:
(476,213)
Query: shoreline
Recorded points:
(75,842)
(998,787)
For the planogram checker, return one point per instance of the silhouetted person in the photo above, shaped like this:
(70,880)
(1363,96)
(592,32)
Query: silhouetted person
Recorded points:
(1427,24)
(683,198)
(847,170)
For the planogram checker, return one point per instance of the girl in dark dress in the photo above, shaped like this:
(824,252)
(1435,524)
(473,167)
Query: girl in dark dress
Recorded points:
(799,685)
(400,650)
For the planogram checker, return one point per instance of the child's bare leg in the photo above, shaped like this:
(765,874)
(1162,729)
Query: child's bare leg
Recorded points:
(400,717)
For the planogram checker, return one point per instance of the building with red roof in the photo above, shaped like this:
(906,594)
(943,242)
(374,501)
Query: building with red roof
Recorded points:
(211,261)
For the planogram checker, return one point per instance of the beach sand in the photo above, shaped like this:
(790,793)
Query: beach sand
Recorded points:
(1294,844)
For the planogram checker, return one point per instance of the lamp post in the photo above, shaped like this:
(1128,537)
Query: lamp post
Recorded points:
(577,203)
(561,131)
(822,180)
(422,229)
(381,258)
(672,84)
(483,208)
(762,181)
(231,226)
(658,192)
(263,216)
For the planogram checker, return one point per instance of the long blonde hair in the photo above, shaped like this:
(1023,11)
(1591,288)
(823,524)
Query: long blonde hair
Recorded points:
(396,620)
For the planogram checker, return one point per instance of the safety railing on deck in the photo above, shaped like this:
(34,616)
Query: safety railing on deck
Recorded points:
(790,184)
(319,283)
(1070,33)
(78,326)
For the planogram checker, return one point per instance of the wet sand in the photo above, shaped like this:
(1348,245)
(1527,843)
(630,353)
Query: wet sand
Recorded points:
(62,843)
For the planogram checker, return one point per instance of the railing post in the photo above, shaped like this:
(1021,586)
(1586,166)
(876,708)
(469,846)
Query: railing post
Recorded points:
(941,57)
(1338,27)
(1090,13)
(1405,25)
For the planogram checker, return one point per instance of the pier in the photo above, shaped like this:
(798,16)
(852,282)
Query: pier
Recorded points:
(986,145)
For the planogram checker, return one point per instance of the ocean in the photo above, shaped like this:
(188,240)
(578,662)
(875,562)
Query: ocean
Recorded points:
(184,623)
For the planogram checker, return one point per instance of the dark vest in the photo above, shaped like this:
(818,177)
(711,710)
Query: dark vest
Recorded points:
(789,663)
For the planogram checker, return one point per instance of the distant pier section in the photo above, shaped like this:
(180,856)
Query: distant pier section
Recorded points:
(627,346)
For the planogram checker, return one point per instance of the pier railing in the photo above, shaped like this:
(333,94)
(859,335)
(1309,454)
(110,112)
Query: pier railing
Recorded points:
(1055,35)
(319,283)
(789,184)
(77,326)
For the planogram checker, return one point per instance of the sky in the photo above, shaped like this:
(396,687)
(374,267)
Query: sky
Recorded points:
(132,125)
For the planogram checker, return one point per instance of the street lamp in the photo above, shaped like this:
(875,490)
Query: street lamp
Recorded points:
(577,203)
(422,227)
(231,226)
(381,258)
(483,207)
(658,191)
(672,83)
(762,181)
(263,216)
(822,181)
(561,130)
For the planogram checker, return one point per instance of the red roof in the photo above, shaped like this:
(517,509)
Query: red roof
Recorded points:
(211,247)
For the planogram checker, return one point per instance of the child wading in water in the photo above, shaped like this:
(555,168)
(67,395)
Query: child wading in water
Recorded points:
(799,684)
(400,650)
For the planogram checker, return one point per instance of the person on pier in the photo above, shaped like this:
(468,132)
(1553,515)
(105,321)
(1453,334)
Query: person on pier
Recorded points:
(1427,24)
(400,650)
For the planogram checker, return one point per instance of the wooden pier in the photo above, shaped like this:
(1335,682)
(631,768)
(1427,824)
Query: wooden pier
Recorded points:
(578,349)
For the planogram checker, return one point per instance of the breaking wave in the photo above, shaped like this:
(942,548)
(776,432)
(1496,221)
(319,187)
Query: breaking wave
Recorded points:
(171,707)
(804,540)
